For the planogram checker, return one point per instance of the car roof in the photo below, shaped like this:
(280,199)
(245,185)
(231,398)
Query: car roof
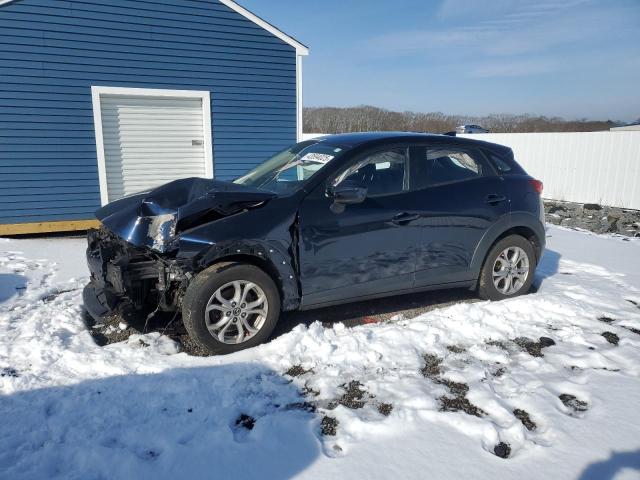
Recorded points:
(359,138)
(363,138)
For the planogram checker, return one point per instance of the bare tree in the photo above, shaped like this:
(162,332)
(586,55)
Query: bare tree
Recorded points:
(369,118)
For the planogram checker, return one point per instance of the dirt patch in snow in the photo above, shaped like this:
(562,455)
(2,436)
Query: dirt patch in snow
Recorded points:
(502,450)
(297,371)
(385,409)
(456,388)
(9,372)
(611,337)
(329,426)
(524,417)
(572,402)
(460,404)
(245,421)
(457,401)
(499,371)
(605,319)
(188,345)
(353,397)
(110,329)
(497,343)
(456,348)
(118,327)
(534,348)
(609,320)
(431,367)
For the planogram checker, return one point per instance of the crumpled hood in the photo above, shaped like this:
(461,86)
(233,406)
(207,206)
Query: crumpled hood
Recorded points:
(153,219)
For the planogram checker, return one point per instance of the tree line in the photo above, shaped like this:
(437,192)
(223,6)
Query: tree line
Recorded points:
(369,118)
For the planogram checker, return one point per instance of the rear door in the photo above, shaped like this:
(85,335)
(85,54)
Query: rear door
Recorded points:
(461,197)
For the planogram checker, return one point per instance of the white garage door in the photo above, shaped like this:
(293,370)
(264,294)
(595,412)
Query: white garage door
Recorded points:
(151,140)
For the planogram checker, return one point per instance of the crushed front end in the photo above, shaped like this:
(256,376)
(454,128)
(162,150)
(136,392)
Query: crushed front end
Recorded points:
(126,279)
(132,257)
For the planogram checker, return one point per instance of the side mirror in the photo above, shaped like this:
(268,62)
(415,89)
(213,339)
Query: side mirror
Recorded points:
(348,193)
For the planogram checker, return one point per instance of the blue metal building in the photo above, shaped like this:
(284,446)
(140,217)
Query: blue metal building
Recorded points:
(102,98)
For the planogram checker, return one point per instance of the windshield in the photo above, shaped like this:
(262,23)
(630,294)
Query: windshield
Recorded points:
(287,170)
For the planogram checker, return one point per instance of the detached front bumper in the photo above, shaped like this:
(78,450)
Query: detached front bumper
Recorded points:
(98,301)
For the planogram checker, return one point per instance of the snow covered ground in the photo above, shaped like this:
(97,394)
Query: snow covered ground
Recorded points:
(443,395)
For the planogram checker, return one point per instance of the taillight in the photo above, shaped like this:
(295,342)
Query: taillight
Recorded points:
(537,185)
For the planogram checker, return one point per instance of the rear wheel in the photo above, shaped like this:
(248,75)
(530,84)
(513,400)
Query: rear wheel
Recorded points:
(230,307)
(508,269)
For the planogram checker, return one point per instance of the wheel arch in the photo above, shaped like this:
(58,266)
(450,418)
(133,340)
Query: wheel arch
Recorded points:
(525,225)
(268,259)
(525,232)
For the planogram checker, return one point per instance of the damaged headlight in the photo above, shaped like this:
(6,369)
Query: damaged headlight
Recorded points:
(162,230)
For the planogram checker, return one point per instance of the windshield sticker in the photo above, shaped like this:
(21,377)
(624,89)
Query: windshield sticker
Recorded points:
(317,157)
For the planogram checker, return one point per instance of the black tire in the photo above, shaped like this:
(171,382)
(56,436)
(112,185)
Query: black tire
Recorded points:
(486,287)
(205,284)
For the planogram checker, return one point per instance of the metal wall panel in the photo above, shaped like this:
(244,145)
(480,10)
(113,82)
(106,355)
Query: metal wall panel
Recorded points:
(51,53)
(589,167)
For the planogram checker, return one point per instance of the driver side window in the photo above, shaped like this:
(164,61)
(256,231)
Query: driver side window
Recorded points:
(381,173)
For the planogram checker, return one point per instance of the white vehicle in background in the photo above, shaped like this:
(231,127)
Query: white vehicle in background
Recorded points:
(471,129)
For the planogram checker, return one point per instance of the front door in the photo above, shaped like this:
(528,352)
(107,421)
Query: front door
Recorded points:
(366,249)
(461,197)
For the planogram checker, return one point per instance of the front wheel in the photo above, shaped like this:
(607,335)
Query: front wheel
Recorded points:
(508,269)
(230,307)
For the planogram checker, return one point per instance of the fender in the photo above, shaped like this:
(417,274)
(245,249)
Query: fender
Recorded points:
(229,239)
(506,223)
(270,256)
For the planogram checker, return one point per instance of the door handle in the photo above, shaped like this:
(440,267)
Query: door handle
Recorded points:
(494,199)
(404,218)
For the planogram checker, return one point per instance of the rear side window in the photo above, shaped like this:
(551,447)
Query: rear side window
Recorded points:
(438,166)
(501,166)
(504,164)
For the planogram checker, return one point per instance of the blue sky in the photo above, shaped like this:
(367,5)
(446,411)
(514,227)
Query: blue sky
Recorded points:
(572,58)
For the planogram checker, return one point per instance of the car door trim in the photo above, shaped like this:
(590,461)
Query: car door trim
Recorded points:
(308,302)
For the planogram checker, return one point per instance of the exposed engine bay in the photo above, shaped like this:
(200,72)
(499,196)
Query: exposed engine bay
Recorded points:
(128,277)
(152,243)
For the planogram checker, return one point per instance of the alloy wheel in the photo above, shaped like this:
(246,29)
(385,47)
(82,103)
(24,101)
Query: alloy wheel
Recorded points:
(510,270)
(236,312)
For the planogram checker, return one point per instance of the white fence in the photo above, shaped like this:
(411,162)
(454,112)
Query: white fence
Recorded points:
(591,167)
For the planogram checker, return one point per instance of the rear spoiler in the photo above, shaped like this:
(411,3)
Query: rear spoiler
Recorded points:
(449,134)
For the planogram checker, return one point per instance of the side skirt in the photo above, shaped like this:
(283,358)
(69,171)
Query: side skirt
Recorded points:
(443,286)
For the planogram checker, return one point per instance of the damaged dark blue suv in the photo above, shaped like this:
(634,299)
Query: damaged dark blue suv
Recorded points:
(331,220)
